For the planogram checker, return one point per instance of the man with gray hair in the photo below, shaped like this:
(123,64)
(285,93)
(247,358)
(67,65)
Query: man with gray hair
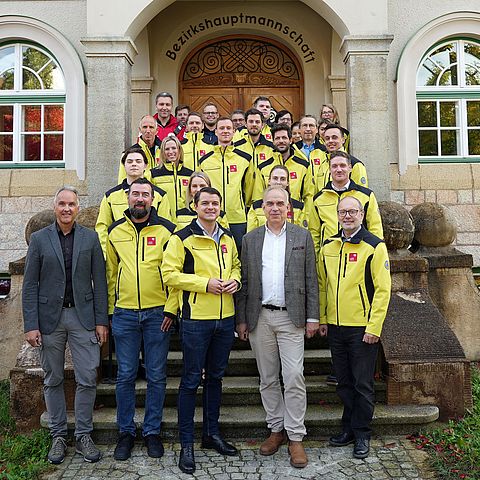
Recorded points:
(65,299)
(277,307)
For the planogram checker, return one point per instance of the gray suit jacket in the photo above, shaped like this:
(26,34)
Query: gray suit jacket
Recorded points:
(301,284)
(44,280)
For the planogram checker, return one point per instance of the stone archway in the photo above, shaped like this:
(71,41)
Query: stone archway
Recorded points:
(232,71)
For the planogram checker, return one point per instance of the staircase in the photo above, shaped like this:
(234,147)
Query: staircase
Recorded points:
(242,416)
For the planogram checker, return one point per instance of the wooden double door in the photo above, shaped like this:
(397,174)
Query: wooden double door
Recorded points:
(233,72)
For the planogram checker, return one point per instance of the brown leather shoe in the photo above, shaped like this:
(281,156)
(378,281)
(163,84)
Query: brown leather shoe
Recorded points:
(298,457)
(273,442)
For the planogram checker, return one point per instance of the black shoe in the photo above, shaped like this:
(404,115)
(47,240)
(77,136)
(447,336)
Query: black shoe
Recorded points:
(154,446)
(361,448)
(187,459)
(342,439)
(331,380)
(124,446)
(216,442)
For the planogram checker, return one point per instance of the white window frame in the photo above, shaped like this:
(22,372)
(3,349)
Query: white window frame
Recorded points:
(458,24)
(18,29)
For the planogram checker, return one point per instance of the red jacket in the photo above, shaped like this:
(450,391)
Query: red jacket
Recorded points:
(171,127)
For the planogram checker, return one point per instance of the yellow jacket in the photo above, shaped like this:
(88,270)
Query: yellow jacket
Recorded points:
(256,215)
(133,262)
(190,260)
(260,151)
(318,156)
(358,174)
(323,220)
(194,148)
(114,204)
(174,180)
(354,281)
(301,182)
(231,172)
(152,159)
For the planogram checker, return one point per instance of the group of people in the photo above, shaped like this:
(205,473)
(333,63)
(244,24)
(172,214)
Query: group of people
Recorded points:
(229,227)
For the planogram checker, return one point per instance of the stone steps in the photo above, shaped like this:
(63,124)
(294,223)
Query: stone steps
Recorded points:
(244,423)
(236,391)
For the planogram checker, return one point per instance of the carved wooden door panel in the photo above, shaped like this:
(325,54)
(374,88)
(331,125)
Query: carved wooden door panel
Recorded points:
(233,71)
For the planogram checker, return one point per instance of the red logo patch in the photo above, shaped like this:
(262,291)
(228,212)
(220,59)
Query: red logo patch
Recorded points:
(262,156)
(202,153)
(151,241)
(185,182)
(224,248)
(233,168)
(352,257)
(289,214)
(316,161)
(293,175)
(268,136)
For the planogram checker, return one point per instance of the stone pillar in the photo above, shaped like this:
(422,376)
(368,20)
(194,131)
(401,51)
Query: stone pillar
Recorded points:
(365,58)
(337,87)
(109,63)
(141,101)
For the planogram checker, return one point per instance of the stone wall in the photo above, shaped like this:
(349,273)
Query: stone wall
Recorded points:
(24,192)
(457,186)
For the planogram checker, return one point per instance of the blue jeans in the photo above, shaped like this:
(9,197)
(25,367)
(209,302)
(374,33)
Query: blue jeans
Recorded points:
(354,366)
(205,344)
(128,328)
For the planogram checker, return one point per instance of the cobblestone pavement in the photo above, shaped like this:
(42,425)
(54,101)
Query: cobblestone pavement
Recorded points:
(390,458)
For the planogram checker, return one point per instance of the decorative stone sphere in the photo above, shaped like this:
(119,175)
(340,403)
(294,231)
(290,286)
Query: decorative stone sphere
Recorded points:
(397,225)
(88,216)
(435,225)
(37,222)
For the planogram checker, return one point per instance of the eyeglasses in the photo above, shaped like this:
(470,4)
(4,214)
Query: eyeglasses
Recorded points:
(210,113)
(352,212)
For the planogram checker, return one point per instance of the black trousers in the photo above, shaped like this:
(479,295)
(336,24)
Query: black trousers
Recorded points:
(354,366)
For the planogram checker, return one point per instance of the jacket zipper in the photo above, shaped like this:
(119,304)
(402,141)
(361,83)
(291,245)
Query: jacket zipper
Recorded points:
(161,278)
(143,249)
(345,265)
(117,292)
(361,298)
(338,281)
(138,271)
(220,277)
(195,297)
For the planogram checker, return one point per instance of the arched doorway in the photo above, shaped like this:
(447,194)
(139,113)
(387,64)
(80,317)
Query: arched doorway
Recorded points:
(232,71)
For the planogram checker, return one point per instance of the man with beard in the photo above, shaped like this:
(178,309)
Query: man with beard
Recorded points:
(136,297)
(301,182)
(255,143)
(210,117)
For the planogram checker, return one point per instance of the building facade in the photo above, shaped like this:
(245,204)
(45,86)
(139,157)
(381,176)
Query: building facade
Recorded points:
(77,75)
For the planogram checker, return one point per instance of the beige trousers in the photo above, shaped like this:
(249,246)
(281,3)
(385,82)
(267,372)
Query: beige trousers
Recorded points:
(277,342)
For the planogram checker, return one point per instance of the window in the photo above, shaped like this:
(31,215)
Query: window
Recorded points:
(448,103)
(32,105)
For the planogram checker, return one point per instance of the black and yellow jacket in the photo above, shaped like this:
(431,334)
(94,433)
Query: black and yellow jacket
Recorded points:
(354,281)
(174,180)
(323,220)
(152,158)
(231,172)
(187,214)
(114,204)
(133,262)
(256,215)
(358,173)
(260,151)
(194,147)
(300,183)
(191,259)
(318,156)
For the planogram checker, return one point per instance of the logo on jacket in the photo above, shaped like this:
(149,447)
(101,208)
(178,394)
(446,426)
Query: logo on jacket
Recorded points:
(202,153)
(316,161)
(352,257)
(233,168)
(268,136)
(151,241)
(293,175)
(262,156)
(224,248)
(185,182)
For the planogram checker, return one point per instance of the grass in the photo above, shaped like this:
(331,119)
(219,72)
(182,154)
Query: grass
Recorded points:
(455,449)
(22,457)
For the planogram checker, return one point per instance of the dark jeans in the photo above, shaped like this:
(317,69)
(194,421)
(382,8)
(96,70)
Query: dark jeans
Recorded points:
(206,344)
(129,327)
(354,366)
(238,231)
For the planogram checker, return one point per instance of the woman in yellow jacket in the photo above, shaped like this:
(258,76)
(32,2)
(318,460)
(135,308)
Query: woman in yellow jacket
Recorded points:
(171,175)
(196,182)
(279,175)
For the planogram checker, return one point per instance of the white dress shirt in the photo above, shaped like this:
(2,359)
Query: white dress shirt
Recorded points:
(273,267)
